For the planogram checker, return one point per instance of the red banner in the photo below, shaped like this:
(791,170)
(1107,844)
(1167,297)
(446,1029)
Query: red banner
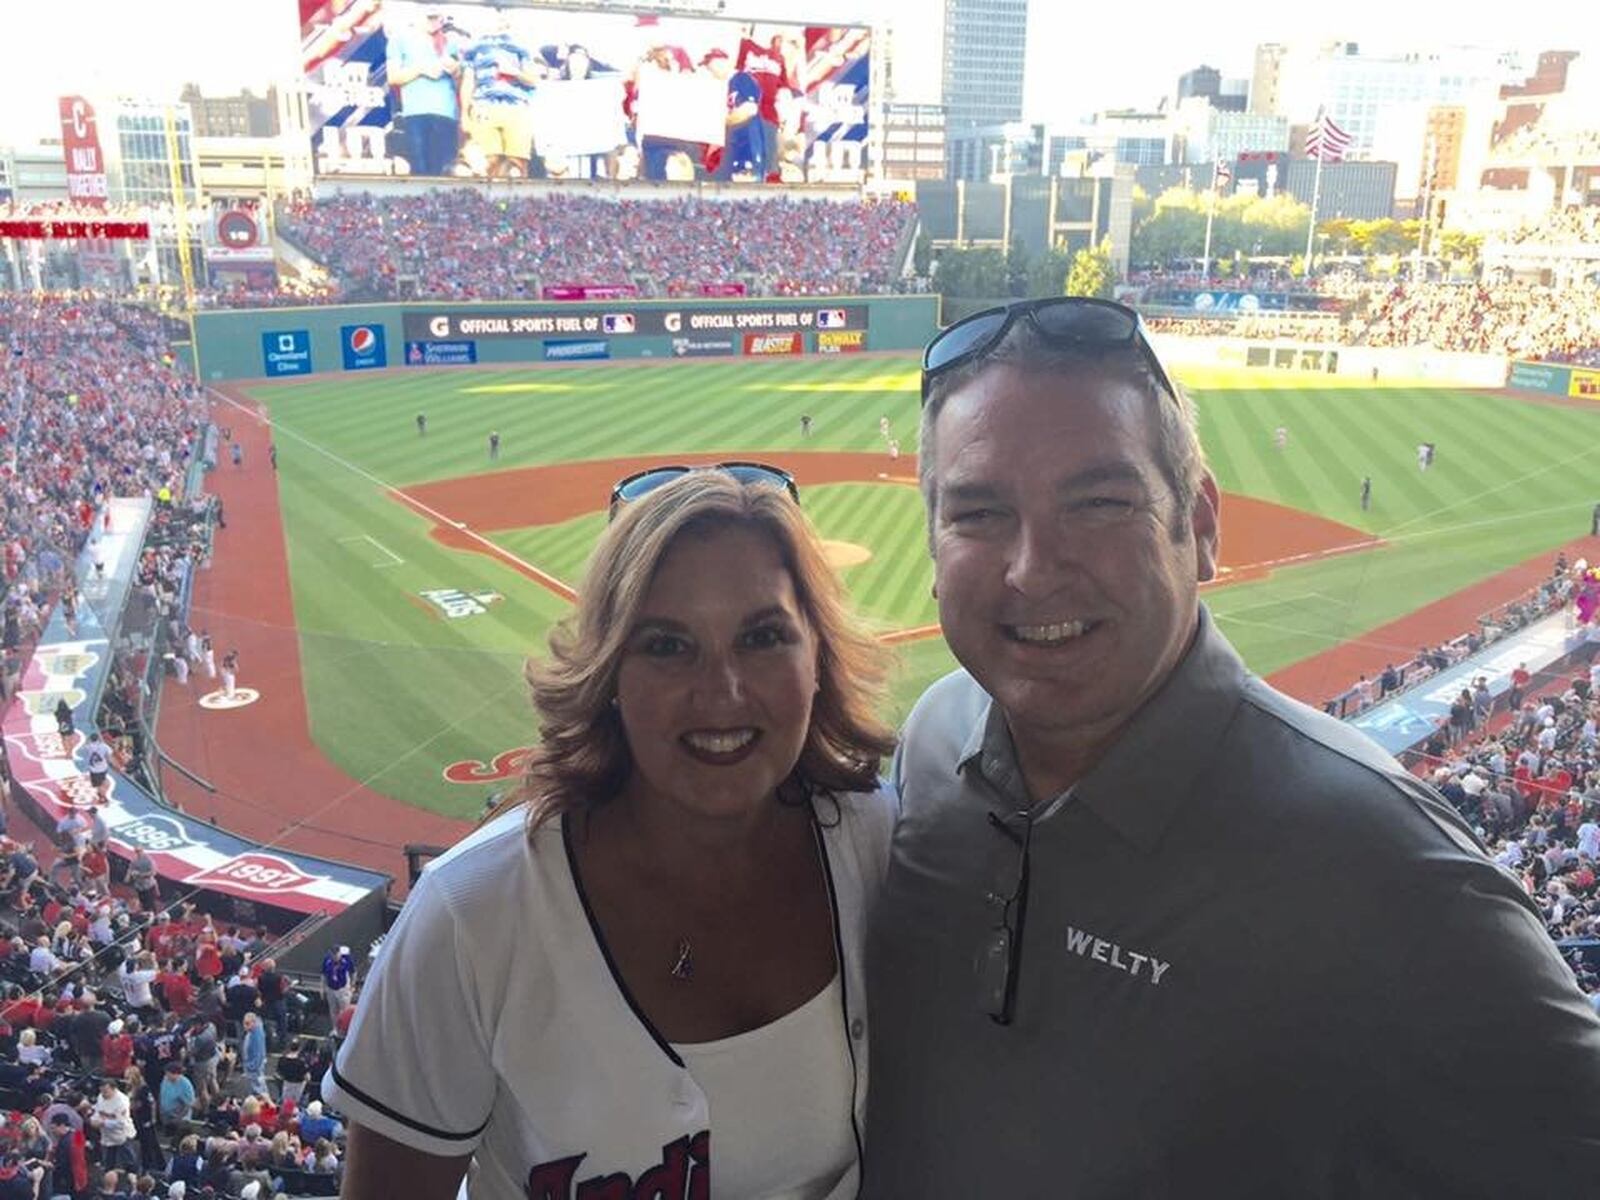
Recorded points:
(773,343)
(80,144)
(590,291)
(722,289)
(74,230)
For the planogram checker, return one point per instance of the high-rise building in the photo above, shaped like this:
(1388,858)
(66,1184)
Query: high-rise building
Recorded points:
(243,115)
(1202,81)
(1365,94)
(1265,78)
(985,44)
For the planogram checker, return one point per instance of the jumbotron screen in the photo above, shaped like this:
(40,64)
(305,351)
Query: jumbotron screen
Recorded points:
(502,91)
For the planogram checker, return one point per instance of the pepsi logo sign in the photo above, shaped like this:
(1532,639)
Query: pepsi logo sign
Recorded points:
(362,339)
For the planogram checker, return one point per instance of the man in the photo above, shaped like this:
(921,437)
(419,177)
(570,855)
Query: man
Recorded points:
(97,760)
(1520,679)
(494,444)
(146,883)
(1366,492)
(1223,944)
(498,79)
(253,1054)
(422,424)
(338,977)
(273,987)
(111,1116)
(175,1098)
(424,66)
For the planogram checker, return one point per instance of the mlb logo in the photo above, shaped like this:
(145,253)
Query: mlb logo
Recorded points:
(617,322)
(831,318)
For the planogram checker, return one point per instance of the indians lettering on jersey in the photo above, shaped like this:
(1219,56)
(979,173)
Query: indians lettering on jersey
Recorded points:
(684,1173)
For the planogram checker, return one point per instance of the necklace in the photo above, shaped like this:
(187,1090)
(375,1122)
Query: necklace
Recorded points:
(683,968)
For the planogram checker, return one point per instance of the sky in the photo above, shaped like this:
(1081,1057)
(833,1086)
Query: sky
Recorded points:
(1080,57)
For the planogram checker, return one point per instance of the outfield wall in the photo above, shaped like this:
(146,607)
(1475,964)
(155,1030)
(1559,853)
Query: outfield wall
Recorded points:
(1355,362)
(1555,379)
(280,343)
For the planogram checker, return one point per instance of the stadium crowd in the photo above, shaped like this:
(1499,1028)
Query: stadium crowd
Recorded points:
(462,245)
(136,1042)
(1529,783)
(1549,597)
(1519,320)
(94,406)
(1515,319)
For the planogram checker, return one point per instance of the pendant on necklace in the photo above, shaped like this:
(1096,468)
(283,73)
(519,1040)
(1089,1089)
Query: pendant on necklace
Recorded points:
(683,968)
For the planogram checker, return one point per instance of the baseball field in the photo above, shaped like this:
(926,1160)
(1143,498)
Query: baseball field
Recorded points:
(420,572)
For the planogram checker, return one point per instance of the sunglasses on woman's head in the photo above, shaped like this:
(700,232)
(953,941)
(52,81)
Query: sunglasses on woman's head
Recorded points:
(642,483)
(1067,322)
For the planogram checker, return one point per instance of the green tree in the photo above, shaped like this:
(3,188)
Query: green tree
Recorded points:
(1047,275)
(922,253)
(979,273)
(1092,273)
(1018,261)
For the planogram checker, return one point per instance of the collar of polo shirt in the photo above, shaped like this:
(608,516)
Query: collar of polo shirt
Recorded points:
(1142,781)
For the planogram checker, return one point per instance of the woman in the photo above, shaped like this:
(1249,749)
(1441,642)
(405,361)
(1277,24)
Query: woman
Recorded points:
(142,1108)
(29,1052)
(662,941)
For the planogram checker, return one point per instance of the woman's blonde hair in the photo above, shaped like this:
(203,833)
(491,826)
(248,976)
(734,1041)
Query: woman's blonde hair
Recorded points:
(582,758)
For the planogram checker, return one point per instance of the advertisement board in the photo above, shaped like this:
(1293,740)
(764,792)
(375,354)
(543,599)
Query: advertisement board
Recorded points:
(774,343)
(485,91)
(576,349)
(362,348)
(1584,384)
(688,347)
(80,146)
(286,352)
(1540,377)
(841,341)
(494,322)
(441,354)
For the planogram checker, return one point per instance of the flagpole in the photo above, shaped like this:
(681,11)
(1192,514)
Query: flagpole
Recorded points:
(1211,212)
(1316,195)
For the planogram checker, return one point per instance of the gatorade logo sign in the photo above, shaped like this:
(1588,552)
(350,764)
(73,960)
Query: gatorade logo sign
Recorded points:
(363,347)
(773,343)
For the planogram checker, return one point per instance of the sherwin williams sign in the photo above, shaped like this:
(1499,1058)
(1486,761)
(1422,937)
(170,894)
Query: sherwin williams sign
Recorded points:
(1540,377)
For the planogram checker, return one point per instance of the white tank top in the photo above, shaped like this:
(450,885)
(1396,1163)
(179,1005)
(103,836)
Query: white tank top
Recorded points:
(781,1099)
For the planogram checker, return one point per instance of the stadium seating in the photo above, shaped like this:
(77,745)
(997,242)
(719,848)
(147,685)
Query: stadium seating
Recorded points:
(463,245)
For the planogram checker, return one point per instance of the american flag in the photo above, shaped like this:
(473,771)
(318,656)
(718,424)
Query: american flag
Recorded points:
(1327,141)
(1221,176)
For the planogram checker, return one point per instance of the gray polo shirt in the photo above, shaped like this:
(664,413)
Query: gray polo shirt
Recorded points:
(1259,958)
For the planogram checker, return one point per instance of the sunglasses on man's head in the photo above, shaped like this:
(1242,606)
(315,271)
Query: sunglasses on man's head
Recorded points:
(1068,322)
(642,483)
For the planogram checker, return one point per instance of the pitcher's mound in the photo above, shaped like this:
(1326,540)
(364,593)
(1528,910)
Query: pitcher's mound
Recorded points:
(845,554)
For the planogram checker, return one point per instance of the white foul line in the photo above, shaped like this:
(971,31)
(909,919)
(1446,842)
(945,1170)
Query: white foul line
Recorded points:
(497,551)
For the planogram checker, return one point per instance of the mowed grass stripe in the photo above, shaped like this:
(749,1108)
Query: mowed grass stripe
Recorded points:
(436,670)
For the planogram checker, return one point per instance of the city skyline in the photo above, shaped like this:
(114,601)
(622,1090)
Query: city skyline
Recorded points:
(126,49)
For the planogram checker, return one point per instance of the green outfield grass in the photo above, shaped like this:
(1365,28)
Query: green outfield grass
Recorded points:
(396,690)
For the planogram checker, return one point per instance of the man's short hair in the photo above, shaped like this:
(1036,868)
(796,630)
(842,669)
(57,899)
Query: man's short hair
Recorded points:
(1178,451)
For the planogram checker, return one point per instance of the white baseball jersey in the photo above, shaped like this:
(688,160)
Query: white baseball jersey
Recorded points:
(493,1023)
